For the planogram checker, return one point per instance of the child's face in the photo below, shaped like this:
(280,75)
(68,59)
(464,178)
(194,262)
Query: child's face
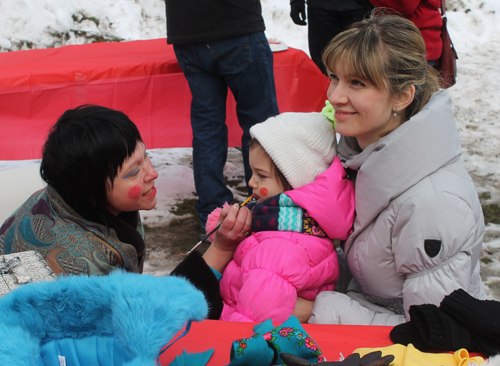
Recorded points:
(264,182)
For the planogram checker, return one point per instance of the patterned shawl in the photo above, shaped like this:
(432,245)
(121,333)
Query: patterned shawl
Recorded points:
(69,243)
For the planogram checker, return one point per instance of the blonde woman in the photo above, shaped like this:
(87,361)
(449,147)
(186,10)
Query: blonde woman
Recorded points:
(419,226)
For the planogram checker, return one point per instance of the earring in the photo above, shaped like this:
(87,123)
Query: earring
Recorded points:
(395,115)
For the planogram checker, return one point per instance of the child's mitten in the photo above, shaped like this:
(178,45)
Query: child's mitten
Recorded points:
(212,219)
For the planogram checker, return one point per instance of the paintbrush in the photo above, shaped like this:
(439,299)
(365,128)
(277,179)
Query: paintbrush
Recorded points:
(218,226)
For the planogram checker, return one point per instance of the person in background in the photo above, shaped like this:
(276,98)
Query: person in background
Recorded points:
(426,16)
(221,44)
(325,19)
(98,176)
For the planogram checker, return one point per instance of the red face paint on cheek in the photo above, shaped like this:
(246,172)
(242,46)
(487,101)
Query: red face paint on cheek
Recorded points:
(135,192)
(263,191)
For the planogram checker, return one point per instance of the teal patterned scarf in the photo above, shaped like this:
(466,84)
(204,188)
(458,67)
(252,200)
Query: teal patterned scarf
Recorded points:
(280,213)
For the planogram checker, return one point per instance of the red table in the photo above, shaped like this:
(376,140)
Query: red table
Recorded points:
(140,78)
(332,339)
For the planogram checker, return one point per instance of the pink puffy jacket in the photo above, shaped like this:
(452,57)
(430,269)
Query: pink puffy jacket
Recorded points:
(271,268)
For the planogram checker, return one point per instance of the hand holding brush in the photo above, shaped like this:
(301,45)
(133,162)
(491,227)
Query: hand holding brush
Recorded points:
(218,226)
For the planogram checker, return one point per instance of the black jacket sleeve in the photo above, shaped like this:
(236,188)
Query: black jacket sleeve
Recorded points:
(196,270)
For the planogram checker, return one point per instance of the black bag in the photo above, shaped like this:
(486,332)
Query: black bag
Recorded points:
(446,65)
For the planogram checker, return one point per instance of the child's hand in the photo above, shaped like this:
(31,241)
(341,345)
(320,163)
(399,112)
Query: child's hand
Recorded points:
(236,226)
(303,309)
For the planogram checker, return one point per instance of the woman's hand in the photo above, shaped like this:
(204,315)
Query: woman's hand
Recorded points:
(303,309)
(236,226)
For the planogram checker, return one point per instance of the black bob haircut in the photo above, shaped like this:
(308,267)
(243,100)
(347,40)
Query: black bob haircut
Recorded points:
(82,155)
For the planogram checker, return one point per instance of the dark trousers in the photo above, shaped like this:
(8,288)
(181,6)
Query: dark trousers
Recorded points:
(245,65)
(326,24)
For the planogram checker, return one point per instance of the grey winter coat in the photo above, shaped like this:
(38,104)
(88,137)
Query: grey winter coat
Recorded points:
(419,226)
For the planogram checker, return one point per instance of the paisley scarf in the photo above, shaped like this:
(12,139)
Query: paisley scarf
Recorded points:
(69,243)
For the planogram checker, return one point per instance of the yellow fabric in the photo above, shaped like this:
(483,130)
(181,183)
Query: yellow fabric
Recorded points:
(462,358)
(410,356)
(329,113)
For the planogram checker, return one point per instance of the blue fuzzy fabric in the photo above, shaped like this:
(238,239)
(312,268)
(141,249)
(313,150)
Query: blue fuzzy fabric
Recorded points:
(192,359)
(143,313)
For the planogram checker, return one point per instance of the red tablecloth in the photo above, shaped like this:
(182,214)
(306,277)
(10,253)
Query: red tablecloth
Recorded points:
(332,339)
(140,78)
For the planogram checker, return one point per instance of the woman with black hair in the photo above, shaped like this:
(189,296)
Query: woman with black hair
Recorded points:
(86,220)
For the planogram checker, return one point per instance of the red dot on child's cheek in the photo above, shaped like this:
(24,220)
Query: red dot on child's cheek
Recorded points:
(263,191)
(135,192)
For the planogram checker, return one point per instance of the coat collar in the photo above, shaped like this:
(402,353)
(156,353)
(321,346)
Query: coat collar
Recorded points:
(390,166)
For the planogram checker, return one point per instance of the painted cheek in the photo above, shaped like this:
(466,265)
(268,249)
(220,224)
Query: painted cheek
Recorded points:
(263,191)
(135,192)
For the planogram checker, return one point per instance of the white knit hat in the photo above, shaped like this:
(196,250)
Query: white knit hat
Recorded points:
(302,145)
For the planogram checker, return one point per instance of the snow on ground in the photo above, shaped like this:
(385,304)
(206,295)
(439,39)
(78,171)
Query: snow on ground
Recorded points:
(474,27)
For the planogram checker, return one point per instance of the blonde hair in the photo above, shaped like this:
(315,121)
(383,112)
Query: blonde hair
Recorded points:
(389,52)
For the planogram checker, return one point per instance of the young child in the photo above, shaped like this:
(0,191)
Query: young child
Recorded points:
(303,201)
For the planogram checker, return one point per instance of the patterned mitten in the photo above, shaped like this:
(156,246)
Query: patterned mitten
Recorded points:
(267,344)
(253,350)
(290,337)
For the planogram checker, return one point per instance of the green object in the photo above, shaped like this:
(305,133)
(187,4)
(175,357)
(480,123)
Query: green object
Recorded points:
(329,113)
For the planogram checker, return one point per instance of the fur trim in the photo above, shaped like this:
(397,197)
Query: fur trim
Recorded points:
(143,312)
(492,361)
